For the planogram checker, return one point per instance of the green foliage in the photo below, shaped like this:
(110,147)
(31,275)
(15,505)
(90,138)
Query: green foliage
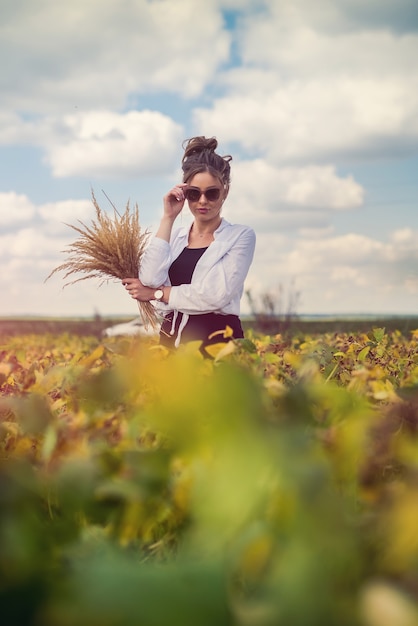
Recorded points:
(275,484)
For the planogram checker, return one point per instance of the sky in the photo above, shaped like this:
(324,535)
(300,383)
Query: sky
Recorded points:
(317,102)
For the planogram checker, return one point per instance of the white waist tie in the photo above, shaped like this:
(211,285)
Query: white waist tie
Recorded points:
(183,323)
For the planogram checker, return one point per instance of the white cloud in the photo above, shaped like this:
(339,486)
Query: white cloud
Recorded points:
(117,145)
(86,53)
(346,273)
(101,143)
(65,210)
(404,235)
(15,208)
(349,275)
(313,86)
(25,292)
(268,197)
(350,248)
(57,215)
(30,243)
(28,256)
(296,43)
(318,119)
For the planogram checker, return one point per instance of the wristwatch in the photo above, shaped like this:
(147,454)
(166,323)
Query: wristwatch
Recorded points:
(158,294)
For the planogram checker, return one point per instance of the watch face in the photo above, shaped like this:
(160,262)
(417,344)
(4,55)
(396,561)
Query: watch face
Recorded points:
(158,294)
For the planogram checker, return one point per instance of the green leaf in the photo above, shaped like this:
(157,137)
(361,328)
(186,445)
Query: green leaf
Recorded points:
(49,443)
(248,345)
(378,334)
(363,353)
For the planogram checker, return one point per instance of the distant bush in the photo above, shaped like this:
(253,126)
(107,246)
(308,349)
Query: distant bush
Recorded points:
(274,311)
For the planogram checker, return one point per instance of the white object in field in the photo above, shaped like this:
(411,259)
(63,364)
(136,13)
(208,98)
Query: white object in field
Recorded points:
(133,327)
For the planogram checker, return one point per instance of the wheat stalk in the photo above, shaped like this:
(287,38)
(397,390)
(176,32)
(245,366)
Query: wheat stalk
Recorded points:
(109,248)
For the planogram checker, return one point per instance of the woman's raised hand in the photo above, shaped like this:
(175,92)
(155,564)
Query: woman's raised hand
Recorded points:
(174,201)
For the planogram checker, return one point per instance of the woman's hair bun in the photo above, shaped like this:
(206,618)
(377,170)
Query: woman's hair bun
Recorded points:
(199,144)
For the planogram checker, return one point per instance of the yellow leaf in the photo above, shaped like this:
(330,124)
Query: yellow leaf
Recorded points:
(220,350)
(25,447)
(401,545)
(10,428)
(90,359)
(226,333)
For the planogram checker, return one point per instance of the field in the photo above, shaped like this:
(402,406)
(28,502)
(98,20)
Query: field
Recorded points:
(276,484)
(293,325)
(55,326)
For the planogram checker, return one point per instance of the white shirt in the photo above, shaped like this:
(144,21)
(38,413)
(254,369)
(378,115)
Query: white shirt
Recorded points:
(218,279)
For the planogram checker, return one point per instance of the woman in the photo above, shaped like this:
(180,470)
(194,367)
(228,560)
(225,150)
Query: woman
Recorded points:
(197,272)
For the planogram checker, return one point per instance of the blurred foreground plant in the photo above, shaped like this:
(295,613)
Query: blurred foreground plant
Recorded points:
(142,487)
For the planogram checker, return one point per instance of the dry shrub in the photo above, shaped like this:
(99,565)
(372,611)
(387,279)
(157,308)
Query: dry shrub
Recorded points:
(108,249)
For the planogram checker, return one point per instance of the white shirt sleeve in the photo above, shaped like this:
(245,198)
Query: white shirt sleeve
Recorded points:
(155,263)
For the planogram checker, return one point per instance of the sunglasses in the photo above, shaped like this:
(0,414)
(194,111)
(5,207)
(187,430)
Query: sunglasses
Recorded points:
(212,194)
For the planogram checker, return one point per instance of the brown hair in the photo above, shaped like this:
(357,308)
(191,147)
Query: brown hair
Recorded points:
(200,156)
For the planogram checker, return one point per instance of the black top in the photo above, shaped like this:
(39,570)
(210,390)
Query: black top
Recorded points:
(181,270)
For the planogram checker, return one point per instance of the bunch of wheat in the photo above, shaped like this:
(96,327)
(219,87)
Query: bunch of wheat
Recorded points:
(109,248)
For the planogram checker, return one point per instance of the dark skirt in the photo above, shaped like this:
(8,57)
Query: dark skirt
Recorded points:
(199,328)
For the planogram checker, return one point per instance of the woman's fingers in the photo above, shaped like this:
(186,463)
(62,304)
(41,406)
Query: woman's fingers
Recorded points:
(131,285)
(179,192)
(174,199)
(137,290)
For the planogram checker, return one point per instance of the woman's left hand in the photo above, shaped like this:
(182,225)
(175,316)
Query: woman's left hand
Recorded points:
(137,290)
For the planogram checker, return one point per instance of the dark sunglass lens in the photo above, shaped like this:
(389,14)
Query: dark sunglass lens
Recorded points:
(213,194)
(193,195)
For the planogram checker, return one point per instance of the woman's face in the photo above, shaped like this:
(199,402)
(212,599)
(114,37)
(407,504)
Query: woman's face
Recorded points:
(205,209)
